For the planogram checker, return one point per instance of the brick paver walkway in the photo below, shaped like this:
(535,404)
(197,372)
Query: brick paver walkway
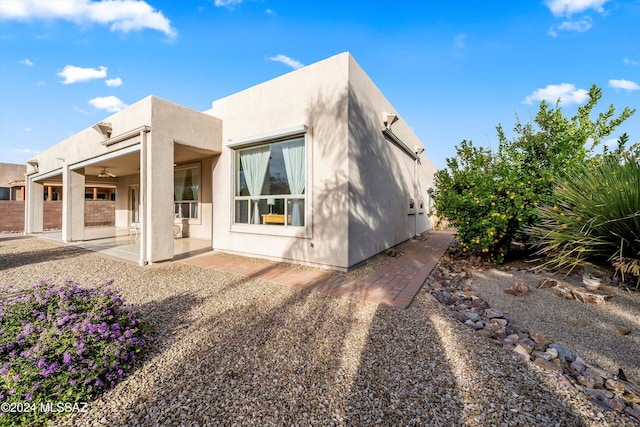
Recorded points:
(395,284)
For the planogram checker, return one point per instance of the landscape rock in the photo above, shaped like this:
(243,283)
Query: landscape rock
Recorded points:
(527,343)
(547,283)
(635,413)
(589,297)
(518,289)
(577,366)
(563,353)
(552,352)
(603,388)
(565,382)
(614,386)
(563,292)
(546,365)
(617,405)
(597,379)
(493,313)
(586,381)
(522,352)
(598,393)
(542,342)
(541,354)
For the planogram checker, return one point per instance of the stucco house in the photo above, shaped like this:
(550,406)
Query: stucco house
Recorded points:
(314,167)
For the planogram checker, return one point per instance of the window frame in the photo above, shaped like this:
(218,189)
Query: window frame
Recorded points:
(283,135)
(193,165)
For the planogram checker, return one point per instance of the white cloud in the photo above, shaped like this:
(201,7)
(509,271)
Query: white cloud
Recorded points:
(113,82)
(227,3)
(623,84)
(566,92)
(579,26)
(111,103)
(27,129)
(628,61)
(73,74)
(287,61)
(121,15)
(611,143)
(24,151)
(570,7)
(40,83)
(27,62)
(81,111)
(460,41)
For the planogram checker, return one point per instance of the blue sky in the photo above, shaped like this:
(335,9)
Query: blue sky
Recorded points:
(452,69)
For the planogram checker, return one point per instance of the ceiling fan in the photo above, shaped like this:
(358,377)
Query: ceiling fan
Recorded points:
(104,173)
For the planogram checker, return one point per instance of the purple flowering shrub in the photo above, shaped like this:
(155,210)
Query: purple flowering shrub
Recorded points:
(64,343)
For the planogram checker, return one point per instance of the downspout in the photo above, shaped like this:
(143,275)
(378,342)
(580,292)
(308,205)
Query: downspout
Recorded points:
(143,196)
(416,202)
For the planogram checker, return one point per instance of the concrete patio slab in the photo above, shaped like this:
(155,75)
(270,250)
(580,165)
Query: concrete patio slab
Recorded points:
(120,244)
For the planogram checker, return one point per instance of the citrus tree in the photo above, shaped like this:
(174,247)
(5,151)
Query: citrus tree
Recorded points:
(490,196)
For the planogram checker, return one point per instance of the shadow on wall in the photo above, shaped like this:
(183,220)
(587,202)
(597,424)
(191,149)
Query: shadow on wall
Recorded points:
(367,184)
(378,188)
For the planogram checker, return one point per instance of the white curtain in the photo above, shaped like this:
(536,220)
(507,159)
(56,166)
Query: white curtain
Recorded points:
(254,164)
(294,164)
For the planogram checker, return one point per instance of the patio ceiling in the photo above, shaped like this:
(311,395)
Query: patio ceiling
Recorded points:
(129,163)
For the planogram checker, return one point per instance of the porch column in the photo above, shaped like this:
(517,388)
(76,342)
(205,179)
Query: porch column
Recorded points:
(33,211)
(49,193)
(156,189)
(95,193)
(72,205)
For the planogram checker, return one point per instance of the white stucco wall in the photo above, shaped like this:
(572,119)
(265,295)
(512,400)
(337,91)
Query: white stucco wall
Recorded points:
(382,177)
(86,144)
(315,96)
(359,181)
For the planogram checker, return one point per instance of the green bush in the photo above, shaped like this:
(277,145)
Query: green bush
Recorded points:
(487,199)
(490,197)
(62,345)
(596,216)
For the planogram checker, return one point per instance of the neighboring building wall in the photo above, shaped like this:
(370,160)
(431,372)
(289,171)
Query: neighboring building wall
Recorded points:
(96,213)
(99,213)
(52,215)
(315,96)
(12,214)
(11,172)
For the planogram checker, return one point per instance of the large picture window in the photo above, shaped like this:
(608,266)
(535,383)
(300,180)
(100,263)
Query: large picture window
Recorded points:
(270,181)
(186,195)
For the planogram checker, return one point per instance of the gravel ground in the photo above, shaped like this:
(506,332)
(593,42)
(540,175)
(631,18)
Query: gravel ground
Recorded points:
(234,351)
(607,335)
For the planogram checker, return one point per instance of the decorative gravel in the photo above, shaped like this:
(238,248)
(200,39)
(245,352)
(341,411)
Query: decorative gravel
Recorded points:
(607,335)
(228,350)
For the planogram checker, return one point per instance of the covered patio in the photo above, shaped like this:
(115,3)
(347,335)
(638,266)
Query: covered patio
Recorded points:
(158,156)
(124,245)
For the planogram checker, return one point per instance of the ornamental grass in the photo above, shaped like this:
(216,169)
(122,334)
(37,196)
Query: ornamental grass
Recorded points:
(596,217)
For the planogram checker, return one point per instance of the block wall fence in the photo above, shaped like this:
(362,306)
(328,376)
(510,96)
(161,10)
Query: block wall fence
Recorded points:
(96,213)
